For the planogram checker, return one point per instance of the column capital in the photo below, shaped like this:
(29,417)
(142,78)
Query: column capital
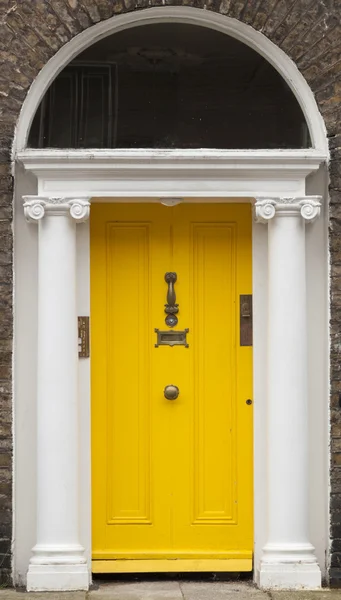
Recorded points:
(36,207)
(308,207)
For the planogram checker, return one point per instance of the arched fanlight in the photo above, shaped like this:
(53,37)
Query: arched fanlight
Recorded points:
(169,85)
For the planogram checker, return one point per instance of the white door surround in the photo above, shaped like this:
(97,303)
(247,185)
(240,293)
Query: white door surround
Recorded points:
(58,186)
(288,559)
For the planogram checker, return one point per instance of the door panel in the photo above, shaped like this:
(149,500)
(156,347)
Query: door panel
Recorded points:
(171,479)
(214,362)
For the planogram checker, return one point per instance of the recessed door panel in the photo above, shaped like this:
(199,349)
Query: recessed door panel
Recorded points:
(214,362)
(128,423)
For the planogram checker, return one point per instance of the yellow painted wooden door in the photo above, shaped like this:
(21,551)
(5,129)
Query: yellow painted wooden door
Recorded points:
(171,480)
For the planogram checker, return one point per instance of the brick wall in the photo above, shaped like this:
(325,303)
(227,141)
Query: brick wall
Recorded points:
(31,31)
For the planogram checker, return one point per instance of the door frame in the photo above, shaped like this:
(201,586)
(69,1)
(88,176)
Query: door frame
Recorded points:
(226,176)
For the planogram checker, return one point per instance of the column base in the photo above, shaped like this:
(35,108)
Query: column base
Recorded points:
(57,578)
(291,567)
(58,569)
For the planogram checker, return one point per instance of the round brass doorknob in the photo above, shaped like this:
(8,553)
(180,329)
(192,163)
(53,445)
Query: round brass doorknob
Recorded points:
(171,392)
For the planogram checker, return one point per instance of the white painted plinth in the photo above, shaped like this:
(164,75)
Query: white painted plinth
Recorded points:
(57,569)
(294,576)
(58,562)
(288,560)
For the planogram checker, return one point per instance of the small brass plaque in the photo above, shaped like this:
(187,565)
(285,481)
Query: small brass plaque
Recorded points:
(171,338)
(246,320)
(83,337)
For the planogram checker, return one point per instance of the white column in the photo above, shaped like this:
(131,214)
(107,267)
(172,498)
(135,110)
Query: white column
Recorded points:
(288,560)
(58,561)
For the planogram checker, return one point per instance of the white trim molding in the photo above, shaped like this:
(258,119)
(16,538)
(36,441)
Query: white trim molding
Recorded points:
(288,560)
(58,562)
(159,173)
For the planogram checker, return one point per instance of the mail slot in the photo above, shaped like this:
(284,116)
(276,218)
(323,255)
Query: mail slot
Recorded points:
(171,338)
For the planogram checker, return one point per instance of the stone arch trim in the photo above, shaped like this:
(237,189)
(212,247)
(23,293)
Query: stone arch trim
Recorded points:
(308,31)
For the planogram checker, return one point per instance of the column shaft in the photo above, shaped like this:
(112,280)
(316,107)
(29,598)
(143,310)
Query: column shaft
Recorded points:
(287,382)
(57,447)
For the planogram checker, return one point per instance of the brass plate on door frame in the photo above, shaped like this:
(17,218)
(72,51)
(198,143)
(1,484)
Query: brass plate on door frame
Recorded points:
(246,329)
(171,338)
(83,337)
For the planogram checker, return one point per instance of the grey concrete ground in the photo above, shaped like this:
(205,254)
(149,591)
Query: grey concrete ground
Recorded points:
(173,590)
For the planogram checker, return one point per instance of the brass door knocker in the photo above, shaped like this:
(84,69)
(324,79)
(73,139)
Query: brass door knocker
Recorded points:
(171,308)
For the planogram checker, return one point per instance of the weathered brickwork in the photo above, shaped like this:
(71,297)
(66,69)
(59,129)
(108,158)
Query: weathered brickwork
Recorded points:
(31,31)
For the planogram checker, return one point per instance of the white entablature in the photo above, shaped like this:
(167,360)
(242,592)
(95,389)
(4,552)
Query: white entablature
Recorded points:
(155,173)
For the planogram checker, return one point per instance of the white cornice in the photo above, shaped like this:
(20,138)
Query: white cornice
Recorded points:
(97,159)
(190,173)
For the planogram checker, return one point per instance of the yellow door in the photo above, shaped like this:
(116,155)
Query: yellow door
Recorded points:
(171,479)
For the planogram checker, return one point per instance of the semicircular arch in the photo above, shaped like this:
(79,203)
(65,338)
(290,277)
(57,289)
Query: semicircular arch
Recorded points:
(195,16)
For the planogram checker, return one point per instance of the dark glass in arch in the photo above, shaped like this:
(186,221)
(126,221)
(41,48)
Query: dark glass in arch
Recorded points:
(169,86)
